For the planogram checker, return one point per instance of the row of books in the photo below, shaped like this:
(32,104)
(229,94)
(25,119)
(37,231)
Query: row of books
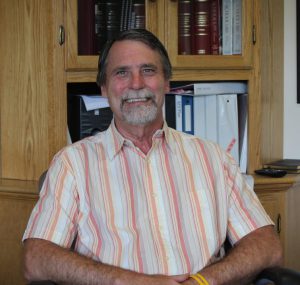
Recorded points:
(209,27)
(289,165)
(213,111)
(102,20)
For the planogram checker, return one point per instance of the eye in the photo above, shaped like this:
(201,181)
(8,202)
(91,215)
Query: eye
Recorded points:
(121,73)
(149,70)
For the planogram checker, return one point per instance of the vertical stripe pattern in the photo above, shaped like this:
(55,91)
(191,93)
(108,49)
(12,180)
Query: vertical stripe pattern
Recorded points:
(167,212)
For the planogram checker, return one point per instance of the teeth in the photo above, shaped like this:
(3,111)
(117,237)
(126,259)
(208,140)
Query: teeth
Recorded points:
(136,100)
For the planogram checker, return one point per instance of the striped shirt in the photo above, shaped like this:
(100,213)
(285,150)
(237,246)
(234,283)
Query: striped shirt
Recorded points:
(167,212)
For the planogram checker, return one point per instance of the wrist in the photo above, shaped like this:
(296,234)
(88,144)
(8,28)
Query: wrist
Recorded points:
(199,279)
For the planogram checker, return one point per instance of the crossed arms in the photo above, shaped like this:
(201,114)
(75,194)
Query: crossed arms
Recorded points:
(44,260)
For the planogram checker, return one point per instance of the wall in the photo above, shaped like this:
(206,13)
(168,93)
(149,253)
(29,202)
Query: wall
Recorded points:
(291,140)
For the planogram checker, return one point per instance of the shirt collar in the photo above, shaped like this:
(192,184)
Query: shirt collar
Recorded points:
(116,141)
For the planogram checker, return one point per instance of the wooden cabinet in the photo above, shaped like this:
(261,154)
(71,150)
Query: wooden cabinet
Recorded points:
(281,199)
(157,12)
(260,65)
(36,71)
(33,87)
(15,208)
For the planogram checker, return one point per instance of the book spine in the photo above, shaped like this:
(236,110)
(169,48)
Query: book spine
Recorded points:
(170,110)
(100,24)
(86,27)
(139,12)
(113,19)
(187,115)
(227,27)
(228,135)
(211,117)
(199,117)
(215,26)
(220,88)
(202,43)
(185,27)
(178,108)
(237,26)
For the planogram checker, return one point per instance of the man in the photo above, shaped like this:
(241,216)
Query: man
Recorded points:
(146,204)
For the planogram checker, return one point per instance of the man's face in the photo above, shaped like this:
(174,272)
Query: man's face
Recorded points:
(135,83)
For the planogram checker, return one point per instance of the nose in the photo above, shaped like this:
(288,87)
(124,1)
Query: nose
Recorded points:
(137,81)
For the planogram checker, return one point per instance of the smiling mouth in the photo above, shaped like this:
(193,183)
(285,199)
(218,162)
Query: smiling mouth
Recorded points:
(136,100)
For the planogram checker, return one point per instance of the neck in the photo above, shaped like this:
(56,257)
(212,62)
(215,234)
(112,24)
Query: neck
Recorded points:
(140,135)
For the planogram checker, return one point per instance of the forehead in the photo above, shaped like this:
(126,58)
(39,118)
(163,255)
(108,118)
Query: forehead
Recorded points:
(128,52)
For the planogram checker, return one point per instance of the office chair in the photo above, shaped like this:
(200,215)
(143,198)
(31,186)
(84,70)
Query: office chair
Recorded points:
(269,276)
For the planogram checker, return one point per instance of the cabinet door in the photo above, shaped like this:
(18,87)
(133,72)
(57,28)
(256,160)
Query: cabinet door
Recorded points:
(275,204)
(33,125)
(243,60)
(14,213)
(75,60)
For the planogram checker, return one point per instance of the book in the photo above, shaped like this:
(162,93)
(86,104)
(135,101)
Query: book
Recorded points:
(215,27)
(86,27)
(227,27)
(100,24)
(201,26)
(243,130)
(284,164)
(178,109)
(205,117)
(170,110)
(227,123)
(185,18)
(211,88)
(113,19)
(236,26)
(187,114)
(138,14)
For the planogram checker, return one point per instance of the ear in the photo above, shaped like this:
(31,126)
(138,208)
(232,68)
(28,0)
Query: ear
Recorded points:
(103,91)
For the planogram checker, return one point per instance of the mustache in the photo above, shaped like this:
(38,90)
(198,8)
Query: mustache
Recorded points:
(138,94)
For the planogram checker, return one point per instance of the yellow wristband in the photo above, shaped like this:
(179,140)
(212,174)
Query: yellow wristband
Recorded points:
(204,281)
(200,279)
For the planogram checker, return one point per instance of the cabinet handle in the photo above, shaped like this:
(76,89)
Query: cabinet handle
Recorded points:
(278,224)
(61,35)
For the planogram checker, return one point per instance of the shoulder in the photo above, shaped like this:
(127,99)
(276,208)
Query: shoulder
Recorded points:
(196,147)
(88,146)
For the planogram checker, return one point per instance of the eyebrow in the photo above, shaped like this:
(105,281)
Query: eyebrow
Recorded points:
(127,67)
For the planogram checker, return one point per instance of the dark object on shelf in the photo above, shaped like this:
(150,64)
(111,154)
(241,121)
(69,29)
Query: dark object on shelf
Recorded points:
(271,172)
(83,123)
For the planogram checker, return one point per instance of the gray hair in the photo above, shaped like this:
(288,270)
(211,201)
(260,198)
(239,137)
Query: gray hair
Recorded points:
(139,35)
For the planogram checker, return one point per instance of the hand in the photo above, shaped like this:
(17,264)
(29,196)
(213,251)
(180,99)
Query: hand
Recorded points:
(156,280)
(189,281)
(180,278)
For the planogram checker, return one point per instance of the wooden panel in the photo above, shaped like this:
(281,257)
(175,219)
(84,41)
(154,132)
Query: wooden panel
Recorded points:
(14,213)
(271,68)
(293,227)
(33,103)
(274,204)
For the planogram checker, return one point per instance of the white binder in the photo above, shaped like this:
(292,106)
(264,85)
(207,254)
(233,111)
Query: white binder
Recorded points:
(228,129)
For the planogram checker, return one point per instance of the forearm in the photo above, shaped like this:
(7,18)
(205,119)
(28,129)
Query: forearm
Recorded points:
(44,260)
(256,251)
